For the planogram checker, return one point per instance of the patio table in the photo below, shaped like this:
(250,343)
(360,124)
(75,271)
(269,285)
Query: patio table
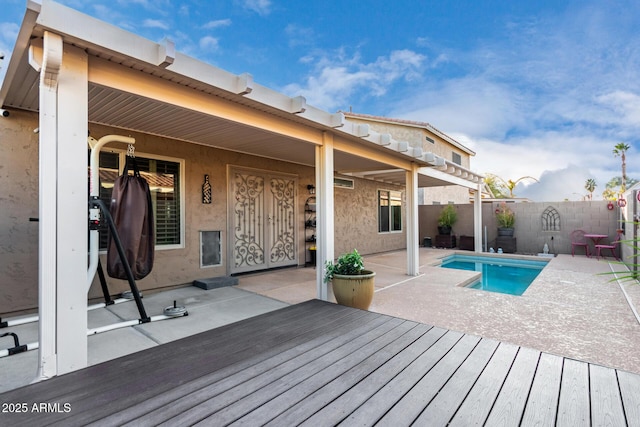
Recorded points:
(595,238)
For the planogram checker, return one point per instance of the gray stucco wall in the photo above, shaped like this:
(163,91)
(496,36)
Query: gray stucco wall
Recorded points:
(591,216)
(18,203)
(356,220)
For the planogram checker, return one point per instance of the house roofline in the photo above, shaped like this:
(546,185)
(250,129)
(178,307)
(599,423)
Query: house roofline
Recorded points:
(413,123)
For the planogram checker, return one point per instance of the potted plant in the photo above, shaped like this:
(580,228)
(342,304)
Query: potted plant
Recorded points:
(506,219)
(352,285)
(448,217)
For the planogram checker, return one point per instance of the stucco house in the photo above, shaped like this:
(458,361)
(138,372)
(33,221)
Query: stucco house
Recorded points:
(267,157)
(425,136)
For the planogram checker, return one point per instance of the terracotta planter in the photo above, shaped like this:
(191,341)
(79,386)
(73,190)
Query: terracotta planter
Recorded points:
(354,291)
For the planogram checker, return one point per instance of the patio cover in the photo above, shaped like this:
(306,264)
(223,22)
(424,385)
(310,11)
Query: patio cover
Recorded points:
(75,70)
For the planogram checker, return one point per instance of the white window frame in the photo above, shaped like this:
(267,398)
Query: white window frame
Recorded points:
(457,161)
(390,217)
(338,184)
(121,162)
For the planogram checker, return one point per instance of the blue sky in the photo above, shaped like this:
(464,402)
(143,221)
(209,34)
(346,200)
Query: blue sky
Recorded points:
(540,88)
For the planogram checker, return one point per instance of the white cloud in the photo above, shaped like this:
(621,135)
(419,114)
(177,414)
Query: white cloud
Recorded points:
(217,24)
(299,35)
(261,7)
(155,23)
(549,100)
(469,105)
(624,107)
(8,34)
(209,43)
(337,76)
(558,185)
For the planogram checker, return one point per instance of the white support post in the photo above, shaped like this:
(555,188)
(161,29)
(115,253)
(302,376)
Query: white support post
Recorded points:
(324,211)
(48,221)
(62,207)
(477,218)
(72,202)
(413,253)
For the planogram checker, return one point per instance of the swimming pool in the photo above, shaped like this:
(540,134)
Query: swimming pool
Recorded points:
(505,275)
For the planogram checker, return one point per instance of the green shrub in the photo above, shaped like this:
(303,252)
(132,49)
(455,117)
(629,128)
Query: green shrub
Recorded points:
(349,264)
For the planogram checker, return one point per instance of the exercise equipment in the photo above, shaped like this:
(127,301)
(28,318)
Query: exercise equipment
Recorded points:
(141,247)
(132,212)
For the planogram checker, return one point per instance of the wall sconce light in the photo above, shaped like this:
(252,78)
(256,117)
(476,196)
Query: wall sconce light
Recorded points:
(311,188)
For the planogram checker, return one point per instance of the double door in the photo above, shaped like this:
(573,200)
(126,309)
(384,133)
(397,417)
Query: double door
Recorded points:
(262,210)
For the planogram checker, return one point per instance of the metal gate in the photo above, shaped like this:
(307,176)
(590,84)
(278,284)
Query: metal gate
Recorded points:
(263,220)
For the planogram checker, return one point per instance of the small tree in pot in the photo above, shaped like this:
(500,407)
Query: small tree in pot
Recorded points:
(352,285)
(448,217)
(506,219)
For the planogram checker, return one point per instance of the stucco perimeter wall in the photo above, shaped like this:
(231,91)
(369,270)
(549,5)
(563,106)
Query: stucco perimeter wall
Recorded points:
(356,223)
(18,203)
(591,216)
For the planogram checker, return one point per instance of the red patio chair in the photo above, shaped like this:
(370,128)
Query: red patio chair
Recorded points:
(578,239)
(612,247)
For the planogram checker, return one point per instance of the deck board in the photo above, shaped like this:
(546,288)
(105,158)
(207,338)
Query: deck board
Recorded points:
(338,409)
(320,364)
(453,393)
(234,387)
(329,386)
(482,395)
(630,392)
(606,406)
(195,358)
(509,406)
(542,405)
(574,407)
(413,402)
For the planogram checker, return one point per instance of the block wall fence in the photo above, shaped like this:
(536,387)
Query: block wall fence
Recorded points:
(591,216)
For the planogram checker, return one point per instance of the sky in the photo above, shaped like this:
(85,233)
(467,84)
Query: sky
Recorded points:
(536,88)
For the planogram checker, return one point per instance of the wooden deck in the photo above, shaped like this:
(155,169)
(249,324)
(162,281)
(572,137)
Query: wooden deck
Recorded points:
(320,364)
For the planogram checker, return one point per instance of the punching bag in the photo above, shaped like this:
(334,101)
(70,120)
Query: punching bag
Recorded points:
(132,214)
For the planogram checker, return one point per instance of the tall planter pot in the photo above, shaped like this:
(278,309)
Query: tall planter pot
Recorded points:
(505,231)
(354,291)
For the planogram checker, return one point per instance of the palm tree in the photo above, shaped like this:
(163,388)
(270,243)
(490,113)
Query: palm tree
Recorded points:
(619,150)
(590,186)
(512,184)
(497,184)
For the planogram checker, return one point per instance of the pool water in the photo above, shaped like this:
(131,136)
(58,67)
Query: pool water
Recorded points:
(504,275)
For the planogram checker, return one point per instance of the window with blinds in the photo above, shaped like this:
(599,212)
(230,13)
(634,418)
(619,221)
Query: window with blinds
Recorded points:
(164,182)
(163,177)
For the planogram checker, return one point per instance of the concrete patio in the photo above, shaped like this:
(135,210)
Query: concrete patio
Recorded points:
(571,310)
